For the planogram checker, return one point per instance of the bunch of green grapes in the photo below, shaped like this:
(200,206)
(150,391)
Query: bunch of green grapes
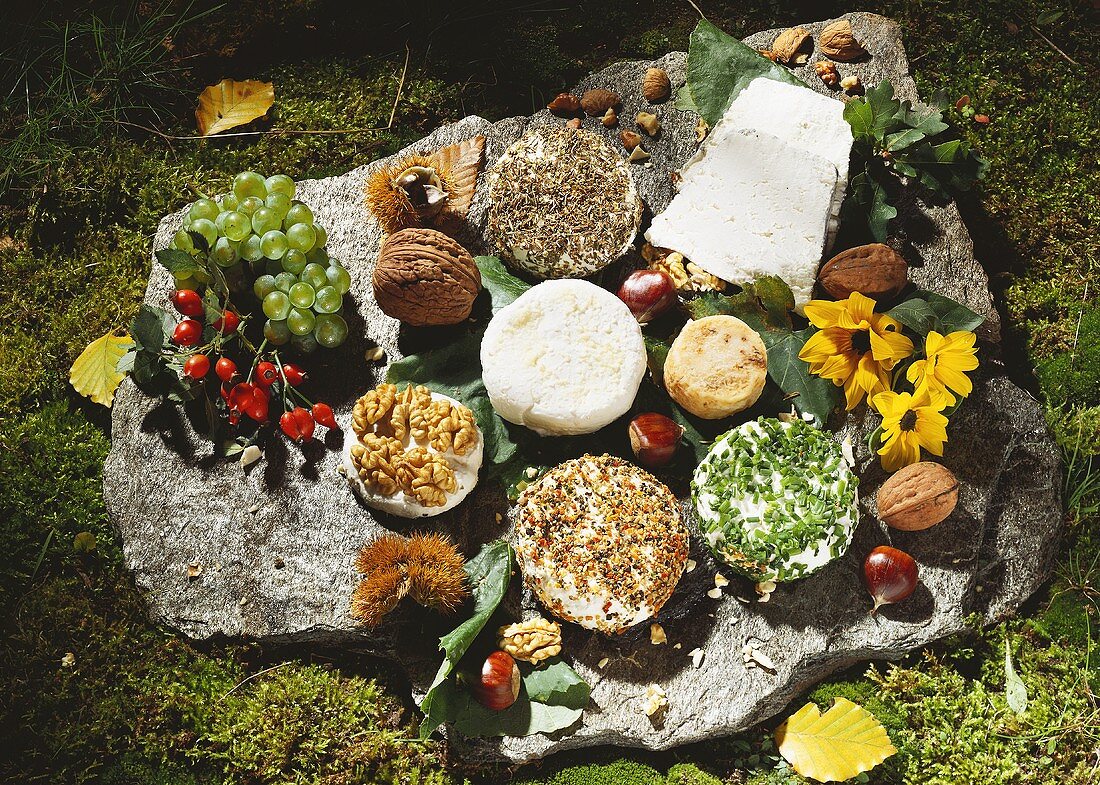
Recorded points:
(260,223)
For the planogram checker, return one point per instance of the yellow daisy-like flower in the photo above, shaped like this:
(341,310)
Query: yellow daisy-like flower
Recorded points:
(855,347)
(943,371)
(909,422)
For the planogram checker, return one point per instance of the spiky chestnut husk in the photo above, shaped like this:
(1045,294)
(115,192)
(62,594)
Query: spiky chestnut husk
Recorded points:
(390,203)
(378,594)
(386,551)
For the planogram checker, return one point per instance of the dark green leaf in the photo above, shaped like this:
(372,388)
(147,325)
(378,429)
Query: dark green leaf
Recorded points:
(899,140)
(150,327)
(884,108)
(503,287)
(684,102)
(952,316)
(199,242)
(557,684)
(1048,17)
(812,394)
(179,262)
(765,304)
(522,718)
(916,314)
(860,117)
(656,351)
(719,67)
(148,365)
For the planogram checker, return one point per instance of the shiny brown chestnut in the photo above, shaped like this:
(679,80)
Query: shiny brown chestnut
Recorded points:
(498,685)
(654,439)
(890,575)
(648,294)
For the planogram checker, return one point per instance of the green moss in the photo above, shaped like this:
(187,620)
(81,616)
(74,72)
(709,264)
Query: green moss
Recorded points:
(689,774)
(618,772)
(1073,377)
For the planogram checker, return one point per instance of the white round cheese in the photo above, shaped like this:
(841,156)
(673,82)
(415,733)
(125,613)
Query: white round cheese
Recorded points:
(565,358)
(465,467)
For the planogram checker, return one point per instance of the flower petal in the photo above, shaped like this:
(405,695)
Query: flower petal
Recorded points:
(824,313)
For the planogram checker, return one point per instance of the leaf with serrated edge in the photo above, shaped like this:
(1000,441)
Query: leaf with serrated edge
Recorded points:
(94,374)
(557,683)
(462,161)
(835,746)
(229,104)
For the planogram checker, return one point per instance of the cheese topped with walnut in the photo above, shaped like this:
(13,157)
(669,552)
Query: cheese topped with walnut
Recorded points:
(600,542)
(412,452)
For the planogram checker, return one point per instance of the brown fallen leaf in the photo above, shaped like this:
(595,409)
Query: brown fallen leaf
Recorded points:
(463,161)
(228,104)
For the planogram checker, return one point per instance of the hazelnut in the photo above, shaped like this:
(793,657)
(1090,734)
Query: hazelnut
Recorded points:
(656,85)
(596,102)
(423,277)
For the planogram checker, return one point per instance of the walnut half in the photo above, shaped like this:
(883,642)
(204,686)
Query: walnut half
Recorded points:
(532,641)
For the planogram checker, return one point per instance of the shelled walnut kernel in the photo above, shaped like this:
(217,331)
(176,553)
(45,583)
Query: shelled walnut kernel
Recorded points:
(532,641)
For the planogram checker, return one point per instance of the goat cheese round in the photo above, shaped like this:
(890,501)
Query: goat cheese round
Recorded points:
(565,358)
(562,204)
(776,500)
(600,542)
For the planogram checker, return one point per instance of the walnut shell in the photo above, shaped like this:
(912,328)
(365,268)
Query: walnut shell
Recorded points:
(875,270)
(918,496)
(791,45)
(656,85)
(838,42)
(423,277)
(595,103)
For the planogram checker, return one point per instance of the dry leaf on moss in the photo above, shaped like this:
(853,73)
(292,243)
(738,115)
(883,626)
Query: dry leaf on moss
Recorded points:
(462,161)
(95,372)
(837,745)
(228,104)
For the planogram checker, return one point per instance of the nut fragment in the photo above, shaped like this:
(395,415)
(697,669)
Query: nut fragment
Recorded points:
(792,46)
(826,70)
(564,105)
(702,128)
(655,700)
(768,53)
(688,277)
(648,122)
(851,84)
(838,42)
(532,641)
(918,496)
(875,270)
(656,86)
(609,119)
(657,634)
(575,123)
(637,155)
(596,102)
(630,139)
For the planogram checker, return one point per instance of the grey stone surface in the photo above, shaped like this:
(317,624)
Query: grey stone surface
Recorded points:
(284,572)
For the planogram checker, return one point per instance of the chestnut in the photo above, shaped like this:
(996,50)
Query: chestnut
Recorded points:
(654,439)
(498,685)
(648,294)
(890,575)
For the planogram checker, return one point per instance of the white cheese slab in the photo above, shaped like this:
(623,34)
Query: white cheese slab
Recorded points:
(752,204)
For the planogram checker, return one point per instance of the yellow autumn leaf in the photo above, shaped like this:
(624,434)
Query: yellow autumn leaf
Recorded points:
(228,104)
(837,745)
(95,372)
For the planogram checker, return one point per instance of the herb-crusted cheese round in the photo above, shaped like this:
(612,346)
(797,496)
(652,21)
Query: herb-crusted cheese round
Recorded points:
(600,542)
(562,204)
(776,500)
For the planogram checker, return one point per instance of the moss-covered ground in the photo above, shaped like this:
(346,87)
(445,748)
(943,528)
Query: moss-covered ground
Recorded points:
(95,693)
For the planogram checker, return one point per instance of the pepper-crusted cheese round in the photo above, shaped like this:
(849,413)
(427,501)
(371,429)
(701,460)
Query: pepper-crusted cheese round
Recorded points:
(600,542)
(565,358)
(562,204)
(776,500)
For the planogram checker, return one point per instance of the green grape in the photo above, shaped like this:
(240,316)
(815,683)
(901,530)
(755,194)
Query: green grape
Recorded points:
(278,204)
(283,281)
(338,278)
(302,295)
(248,184)
(318,255)
(276,305)
(294,261)
(235,226)
(250,205)
(207,228)
(327,300)
(330,330)
(301,236)
(322,236)
(306,344)
(227,202)
(274,244)
(314,275)
(299,214)
(280,184)
(185,282)
(220,221)
(276,332)
(300,321)
(273,266)
(264,220)
(250,248)
(263,286)
(201,277)
(182,241)
(203,208)
(223,253)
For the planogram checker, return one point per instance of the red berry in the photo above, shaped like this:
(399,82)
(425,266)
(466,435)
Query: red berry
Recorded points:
(294,375)
(187,333)
(257,408)
(227,323)
(297,424)
(267,373)
(196,366)
(225,390)
(234,418)
(226,369)
(187,302)
(241,396)
(322,413)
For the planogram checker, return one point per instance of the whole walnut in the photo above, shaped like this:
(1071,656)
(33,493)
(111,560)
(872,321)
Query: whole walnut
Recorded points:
(423,278)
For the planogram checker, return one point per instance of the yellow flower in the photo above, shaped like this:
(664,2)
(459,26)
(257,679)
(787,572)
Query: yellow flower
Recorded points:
(909,422)
(943,370)
(856,348)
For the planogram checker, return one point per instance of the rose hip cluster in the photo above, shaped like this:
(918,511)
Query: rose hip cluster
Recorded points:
(248,394)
